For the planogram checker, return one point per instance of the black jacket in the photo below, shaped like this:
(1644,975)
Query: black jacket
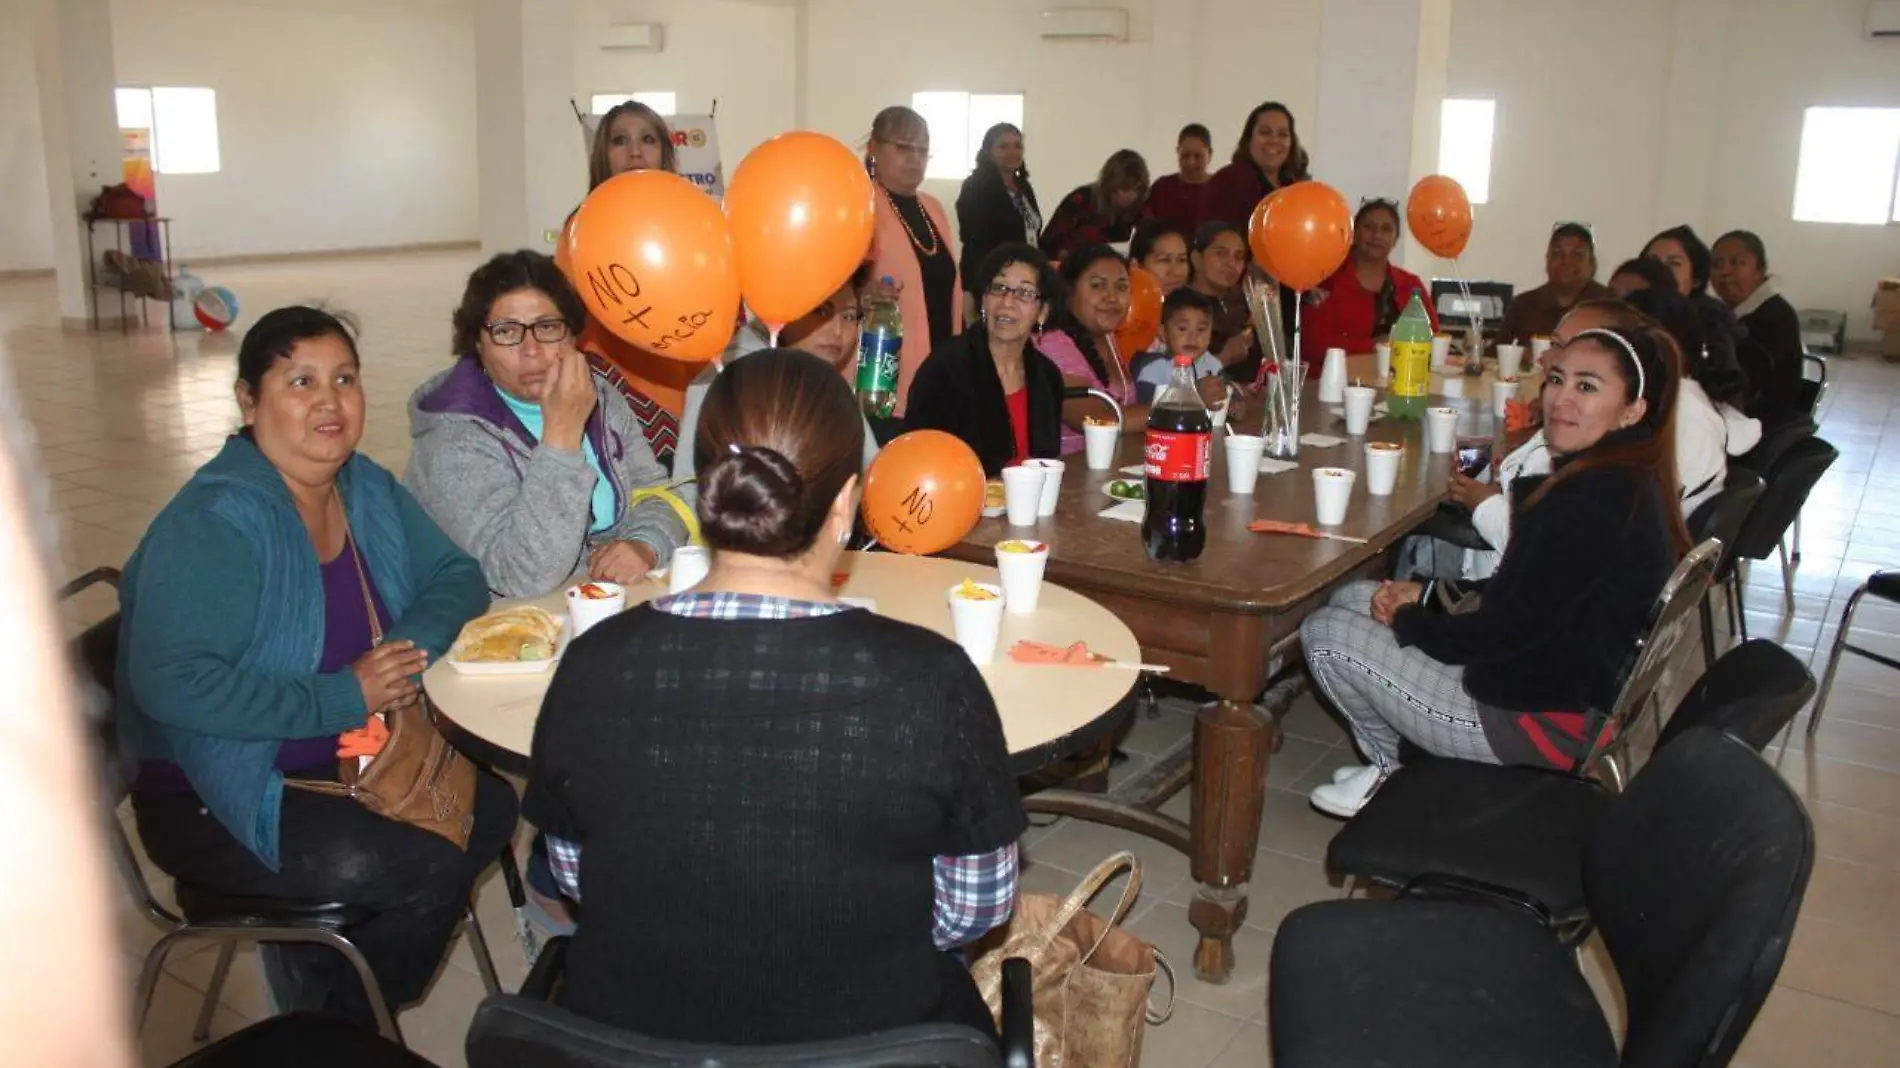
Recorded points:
(1775,377)
(1559,618)
(958,391)
(986,219)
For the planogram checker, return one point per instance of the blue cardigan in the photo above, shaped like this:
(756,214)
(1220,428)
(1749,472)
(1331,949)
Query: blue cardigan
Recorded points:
(224,622)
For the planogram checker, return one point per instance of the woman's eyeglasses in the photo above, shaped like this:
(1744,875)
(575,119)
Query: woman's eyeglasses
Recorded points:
(1026,294)
(510,332)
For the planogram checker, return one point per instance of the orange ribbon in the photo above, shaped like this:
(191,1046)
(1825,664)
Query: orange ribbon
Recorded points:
(365,741)
(1077,655)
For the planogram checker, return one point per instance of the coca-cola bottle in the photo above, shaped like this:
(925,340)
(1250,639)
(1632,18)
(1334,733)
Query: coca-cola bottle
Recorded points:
(1178,448)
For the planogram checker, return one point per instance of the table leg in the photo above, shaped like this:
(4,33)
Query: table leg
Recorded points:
(1232,744)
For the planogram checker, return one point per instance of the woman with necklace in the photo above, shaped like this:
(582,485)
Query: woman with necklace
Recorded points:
(911,244)
(997,205)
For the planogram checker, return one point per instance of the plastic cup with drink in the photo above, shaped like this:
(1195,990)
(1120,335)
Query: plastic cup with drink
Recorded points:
(1020,562)
(1100,439)
(976,618)
(590,602)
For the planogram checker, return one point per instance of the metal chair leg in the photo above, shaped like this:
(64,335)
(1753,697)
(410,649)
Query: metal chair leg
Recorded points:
(1708,630)
(518,899)
(148,976)
(1796,554)
(484,963)
(1834,660)
(202,1029)
(1741,611)
(1787,577)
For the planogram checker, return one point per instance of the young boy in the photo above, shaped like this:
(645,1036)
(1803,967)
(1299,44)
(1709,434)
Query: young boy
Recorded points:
(1187,325)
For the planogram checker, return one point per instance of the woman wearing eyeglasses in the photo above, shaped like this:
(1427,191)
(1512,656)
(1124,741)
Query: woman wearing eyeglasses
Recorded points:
(1362,299)
(911,244)
(523,455)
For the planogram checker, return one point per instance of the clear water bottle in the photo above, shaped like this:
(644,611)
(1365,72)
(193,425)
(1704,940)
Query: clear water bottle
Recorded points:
(880,341)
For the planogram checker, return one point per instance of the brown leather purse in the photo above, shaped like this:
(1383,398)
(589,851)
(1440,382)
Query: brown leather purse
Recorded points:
(418,778)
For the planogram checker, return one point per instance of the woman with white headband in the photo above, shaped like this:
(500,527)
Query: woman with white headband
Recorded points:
(1516,679)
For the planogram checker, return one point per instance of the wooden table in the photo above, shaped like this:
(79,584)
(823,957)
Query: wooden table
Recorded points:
(1048,712)
(1229,622)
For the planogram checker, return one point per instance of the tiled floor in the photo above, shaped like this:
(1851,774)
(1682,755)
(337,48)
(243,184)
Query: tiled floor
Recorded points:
(123,420)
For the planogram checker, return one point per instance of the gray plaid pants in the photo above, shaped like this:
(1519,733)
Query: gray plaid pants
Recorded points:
(1385,692)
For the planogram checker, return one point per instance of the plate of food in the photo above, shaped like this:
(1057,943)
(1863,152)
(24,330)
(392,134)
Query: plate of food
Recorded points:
(993,503)
(517,640)
(1127,489)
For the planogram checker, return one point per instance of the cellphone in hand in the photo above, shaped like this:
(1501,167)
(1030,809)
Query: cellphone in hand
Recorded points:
(1473,458)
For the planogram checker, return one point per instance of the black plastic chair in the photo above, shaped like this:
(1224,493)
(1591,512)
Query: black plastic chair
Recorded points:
(1517,833)
(1882,584)
(1813,384)
(1764,533)
(228,920)
(529,1029)
(304,1040)
(1775,442)
(1721,517)
(1694,876)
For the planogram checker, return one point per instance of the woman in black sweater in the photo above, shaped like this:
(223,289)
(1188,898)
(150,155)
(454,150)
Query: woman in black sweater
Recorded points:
(1741,278)
(989,385)
(1518,680)
(997,205)
(767,787)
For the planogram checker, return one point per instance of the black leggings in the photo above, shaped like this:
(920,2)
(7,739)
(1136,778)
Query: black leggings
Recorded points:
(332,849)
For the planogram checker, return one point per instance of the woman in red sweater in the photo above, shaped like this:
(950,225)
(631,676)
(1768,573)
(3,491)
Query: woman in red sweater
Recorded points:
(1267,157)
(1361,301)
(1181,199)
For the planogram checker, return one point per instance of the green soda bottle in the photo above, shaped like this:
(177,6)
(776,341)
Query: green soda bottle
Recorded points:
(1411,362)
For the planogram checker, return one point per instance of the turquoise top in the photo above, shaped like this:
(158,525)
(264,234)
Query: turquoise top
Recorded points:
(223,626)
(530,416)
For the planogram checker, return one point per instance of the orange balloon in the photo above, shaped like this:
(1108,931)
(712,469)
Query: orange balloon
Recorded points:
(923,493)
(801,209)
(1439,213)
(561,262)
(1301,233)
(652,257)
(1142,323)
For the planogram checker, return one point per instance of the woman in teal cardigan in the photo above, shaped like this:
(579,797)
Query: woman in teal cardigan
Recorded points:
(247,649)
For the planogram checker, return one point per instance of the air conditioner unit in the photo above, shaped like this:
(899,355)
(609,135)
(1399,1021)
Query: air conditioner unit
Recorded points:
(1109,24)
(1883,19)
(633,37)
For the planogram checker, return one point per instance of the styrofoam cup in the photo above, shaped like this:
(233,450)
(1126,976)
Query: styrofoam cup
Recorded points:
(1051,485)
(1022,494)
(1332,377)
(977,623)
(1451,386)
(583,611)
(1510,360)
(1502,393)
(1021,573)
(1332,491)
(1539,346)
(1382,467)
(1441,351)
(1382,361)
(689,566)
(1100,441)
(1359,409)
(1441,429)
(1243,461)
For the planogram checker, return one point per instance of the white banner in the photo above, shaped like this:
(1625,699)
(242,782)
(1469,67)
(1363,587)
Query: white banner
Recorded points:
(695,144)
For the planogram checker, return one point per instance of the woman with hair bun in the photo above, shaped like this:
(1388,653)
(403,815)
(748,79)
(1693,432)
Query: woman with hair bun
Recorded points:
(791,809)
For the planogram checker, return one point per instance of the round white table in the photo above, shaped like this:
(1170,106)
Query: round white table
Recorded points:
(1048,711)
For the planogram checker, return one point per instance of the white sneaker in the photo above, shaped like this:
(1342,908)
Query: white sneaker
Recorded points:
(1347,772)
(1346,797)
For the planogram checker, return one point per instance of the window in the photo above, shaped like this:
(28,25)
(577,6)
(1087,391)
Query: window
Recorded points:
(958,122)
(663,103)
(1849,170)
(1464,145)
(184,125)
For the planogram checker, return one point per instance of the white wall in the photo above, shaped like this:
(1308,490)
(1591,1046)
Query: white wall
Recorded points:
(26,234)
(1635,115)
(342,123)
(1206,61)
(741,54)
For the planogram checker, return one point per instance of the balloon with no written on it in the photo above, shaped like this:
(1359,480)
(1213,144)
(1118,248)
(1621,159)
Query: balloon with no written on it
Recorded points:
(652,258)
(802,213)
(923,493)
